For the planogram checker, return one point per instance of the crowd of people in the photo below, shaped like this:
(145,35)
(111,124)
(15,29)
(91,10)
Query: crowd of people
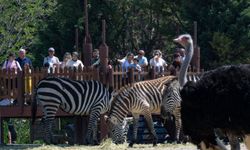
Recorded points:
(157,62)
(71,60)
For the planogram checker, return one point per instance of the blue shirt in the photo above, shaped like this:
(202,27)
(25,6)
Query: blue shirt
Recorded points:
(142,61)
(24,61)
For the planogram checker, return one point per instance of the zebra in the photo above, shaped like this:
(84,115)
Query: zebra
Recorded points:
(141,98)
(74,97)
(171,104)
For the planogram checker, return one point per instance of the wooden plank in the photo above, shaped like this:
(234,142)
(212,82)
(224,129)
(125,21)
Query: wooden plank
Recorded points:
(17,112)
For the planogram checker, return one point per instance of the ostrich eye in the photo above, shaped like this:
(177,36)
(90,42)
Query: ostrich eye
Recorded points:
(185,38)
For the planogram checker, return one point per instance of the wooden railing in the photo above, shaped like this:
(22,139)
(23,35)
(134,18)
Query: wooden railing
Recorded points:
(19,85)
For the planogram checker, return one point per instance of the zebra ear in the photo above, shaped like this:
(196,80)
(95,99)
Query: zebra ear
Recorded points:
(113,120)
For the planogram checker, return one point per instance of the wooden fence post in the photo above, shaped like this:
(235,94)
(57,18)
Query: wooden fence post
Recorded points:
(131,76)
(20,87)
(81,122)
(152,73)
(103,51)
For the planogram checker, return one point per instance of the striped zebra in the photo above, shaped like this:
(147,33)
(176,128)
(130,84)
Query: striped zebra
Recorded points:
(171,104)
(142,98)
(75,97)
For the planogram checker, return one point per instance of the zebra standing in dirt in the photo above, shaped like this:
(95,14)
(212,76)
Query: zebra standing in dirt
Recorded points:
(142,98)
(171,102)
(75,97)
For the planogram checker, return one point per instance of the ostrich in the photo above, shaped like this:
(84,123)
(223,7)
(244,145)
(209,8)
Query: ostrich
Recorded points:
(220,99)
(172,96)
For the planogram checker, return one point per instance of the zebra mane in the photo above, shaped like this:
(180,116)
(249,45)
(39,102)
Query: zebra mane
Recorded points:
(123,89)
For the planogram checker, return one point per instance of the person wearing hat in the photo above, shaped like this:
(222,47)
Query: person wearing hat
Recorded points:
(51,61)
(75,62)
(22,59)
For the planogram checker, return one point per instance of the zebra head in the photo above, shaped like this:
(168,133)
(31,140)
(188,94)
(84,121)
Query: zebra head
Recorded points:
(117,129)
(171,99)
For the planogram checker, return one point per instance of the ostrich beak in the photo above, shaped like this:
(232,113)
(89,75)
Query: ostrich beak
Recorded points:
(177,40)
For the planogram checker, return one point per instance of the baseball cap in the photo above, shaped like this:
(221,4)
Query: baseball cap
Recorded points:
(51,49)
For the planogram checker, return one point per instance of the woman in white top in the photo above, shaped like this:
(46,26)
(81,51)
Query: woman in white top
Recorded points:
(66,58)
(51,61)
(157,62)
(11,63)
(75,62)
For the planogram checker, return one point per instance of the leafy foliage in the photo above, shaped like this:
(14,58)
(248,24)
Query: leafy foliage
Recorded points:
(20,21)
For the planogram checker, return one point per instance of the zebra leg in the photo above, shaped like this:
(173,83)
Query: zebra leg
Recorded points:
(150,124)
(47,127)
(135,129)
(91,137)
(233,141)
(178,124)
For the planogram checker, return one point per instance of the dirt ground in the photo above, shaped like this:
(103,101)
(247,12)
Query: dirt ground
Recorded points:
(105,146)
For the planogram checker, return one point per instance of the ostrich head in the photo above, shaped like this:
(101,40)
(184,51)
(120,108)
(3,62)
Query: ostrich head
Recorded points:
(184,40)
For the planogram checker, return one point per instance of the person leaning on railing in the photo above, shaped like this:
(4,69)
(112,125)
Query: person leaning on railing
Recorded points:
(157,62)
(11,65)
(26,65)
(51,61)
(75,63)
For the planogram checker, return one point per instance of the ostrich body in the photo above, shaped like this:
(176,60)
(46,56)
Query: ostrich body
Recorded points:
(220,99)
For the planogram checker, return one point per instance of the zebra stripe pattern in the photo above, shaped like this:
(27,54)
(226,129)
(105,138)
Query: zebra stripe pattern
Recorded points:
(142,98)
(75,97)
(171,103)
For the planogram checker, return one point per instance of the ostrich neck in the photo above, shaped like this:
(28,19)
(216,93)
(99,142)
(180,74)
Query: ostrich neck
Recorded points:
(184,66)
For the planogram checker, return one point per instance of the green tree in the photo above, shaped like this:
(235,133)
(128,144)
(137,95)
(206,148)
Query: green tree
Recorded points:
(227,21)
(18,22)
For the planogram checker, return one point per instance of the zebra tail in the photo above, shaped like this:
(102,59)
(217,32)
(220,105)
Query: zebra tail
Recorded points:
(34,107)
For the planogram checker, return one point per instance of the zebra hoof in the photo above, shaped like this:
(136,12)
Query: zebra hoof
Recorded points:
(95,142)
(130,144)
(154,144)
